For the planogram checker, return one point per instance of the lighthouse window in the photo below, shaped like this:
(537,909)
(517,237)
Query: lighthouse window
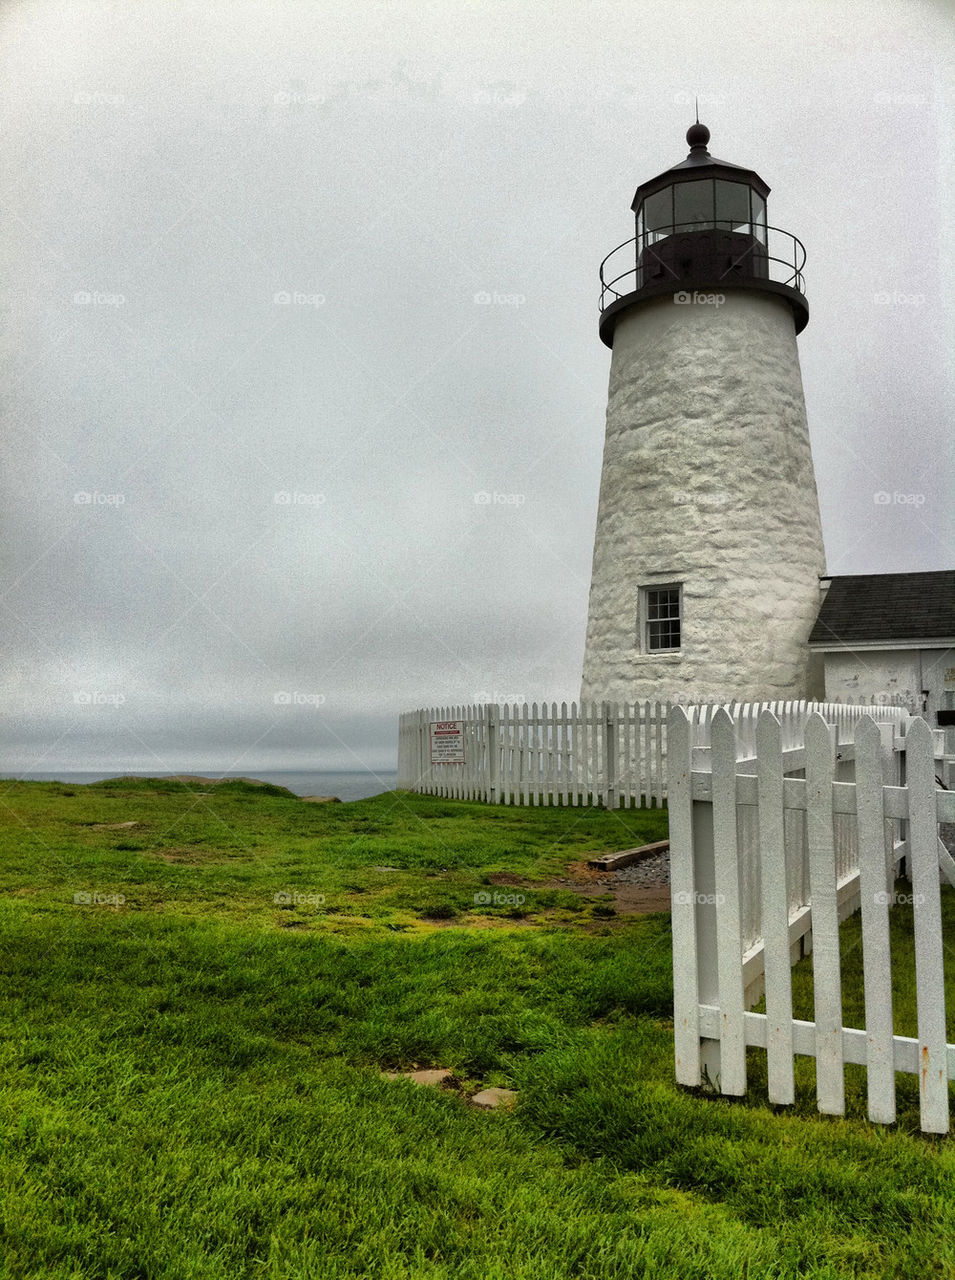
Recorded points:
(658,211)
(732,206)
(759,217)
(661,618)
(693,205)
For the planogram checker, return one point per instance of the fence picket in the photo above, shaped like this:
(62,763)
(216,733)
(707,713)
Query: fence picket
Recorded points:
(686,1006)
(876,955)
(827,988)
(775,911)
(574,755)
(729,940)
(927,906)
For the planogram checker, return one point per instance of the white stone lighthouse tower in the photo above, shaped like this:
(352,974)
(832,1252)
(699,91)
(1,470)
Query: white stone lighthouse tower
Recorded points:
(708,549)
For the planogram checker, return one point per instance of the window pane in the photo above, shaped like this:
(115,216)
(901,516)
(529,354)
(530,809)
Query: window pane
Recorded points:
(662,618)
(663,635)
(658,212)
(693,204)
(732,204)
(759,217)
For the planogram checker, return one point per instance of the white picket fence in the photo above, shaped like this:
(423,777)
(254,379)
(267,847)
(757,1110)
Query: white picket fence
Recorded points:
(612,754)
(772,843)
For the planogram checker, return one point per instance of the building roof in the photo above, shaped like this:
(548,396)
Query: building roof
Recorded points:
(892,608)
(705,165)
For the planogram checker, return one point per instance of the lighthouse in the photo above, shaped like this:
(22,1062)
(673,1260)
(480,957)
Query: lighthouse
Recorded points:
(708,548)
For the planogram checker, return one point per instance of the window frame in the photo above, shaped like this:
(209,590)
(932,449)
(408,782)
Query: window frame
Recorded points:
(644,620)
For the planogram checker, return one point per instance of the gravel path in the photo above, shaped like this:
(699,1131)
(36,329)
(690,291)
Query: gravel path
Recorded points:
(655,871)
(645,885)
(648,872)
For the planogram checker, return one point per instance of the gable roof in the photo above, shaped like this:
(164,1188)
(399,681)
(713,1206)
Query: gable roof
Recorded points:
(891,607)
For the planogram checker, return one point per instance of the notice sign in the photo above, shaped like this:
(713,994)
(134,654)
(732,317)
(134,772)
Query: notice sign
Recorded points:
(447,742)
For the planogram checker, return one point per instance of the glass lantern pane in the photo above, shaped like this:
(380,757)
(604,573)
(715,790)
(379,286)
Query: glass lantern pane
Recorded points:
(658,212)
(759,217)
(732,205)
(693,205)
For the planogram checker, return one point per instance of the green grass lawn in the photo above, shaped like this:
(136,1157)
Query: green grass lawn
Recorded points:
(193,1055)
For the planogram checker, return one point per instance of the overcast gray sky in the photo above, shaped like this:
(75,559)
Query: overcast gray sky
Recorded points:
(250,395)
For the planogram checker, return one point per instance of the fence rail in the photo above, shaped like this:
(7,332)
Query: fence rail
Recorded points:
(760,875)
(610,754)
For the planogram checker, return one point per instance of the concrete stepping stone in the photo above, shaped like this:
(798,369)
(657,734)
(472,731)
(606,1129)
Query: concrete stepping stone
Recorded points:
(432,1076)
(489,1099)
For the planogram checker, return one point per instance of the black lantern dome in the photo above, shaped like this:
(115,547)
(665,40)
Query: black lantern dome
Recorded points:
(701,227)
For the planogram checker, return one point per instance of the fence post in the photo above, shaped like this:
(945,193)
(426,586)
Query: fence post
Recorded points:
(948,704)
(688,964)
(727,911)
(610,757)
(890,778)
(493,761)
(929,946)
(704,880)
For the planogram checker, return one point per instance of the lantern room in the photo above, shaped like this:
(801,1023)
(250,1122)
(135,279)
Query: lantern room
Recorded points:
(702,226)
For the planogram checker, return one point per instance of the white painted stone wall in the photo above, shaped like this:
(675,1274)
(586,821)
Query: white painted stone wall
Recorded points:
(707,480)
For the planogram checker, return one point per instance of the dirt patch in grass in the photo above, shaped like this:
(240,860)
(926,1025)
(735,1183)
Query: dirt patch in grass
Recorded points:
(590,882)
(185,855)
(581,873)
(628,899)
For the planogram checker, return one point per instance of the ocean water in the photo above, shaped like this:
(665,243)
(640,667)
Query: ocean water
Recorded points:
(355,785)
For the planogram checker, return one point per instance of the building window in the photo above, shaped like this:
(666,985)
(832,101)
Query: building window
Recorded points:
(660,617)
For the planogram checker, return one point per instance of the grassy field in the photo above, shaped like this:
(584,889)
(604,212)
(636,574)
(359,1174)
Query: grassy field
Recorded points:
(197,1011)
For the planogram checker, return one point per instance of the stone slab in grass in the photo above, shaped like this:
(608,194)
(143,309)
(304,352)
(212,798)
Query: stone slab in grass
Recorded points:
(489,1099)
(612,861)
(432,1076)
